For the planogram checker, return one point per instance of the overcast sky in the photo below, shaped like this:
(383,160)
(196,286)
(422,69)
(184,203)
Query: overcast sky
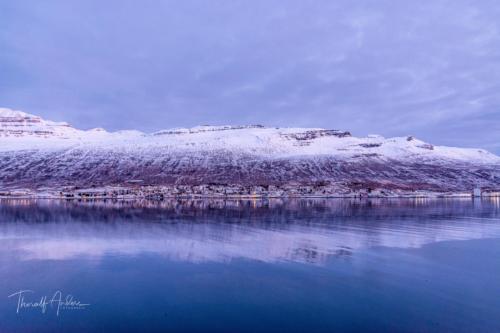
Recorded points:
(426,68)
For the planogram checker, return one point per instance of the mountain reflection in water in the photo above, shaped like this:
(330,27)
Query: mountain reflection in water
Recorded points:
(303,231)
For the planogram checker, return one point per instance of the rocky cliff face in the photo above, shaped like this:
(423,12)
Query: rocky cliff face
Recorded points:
(20,124)
(35,152)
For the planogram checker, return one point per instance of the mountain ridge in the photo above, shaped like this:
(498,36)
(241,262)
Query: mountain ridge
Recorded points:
(39,153)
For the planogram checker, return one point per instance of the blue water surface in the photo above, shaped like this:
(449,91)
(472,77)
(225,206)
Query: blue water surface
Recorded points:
(324,265)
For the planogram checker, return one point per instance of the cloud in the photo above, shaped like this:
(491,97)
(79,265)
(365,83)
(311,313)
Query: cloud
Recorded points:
(430,69)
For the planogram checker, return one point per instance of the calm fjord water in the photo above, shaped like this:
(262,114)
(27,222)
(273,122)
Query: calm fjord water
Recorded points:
(244,266)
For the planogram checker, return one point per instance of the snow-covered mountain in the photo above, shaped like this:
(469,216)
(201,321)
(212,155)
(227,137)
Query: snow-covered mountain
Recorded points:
(35,152)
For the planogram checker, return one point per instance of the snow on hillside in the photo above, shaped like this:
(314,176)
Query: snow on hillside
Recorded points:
(34,152)
(22,131)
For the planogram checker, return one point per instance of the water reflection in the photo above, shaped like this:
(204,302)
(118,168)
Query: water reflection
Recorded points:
(305,231)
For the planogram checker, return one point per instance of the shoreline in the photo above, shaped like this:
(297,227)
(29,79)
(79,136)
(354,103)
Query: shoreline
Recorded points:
(244,197)
(234,192)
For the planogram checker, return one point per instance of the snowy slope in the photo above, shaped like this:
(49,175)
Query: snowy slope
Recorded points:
(34,151)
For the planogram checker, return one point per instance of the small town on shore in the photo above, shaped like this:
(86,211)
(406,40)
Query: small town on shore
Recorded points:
(232,191)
